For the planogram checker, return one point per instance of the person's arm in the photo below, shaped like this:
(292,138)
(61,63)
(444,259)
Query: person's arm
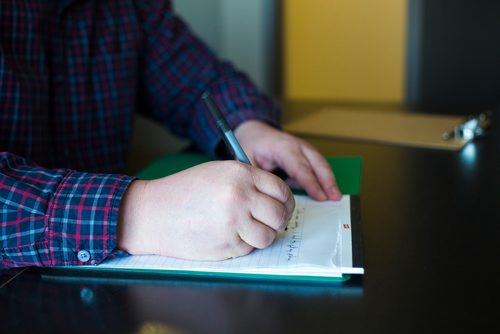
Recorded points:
(179,68)
(54,217)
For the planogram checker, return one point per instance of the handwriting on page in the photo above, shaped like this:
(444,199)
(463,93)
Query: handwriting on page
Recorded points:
(293,230)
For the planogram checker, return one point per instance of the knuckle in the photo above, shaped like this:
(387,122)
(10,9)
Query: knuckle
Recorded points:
(301,170)
(289,141)
(235,184)
(234,169)
(235,195)
(283,191)
(241,170)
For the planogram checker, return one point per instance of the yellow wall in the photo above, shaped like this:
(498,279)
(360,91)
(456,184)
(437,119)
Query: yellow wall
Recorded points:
(349,50)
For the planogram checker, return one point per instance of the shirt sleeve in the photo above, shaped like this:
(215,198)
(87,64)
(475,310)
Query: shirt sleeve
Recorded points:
(179,68)
(56,217)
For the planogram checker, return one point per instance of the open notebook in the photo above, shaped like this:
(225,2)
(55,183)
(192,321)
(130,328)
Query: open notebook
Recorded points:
(322,242)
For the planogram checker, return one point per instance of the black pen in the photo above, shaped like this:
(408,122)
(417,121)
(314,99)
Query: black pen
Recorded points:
(228,136)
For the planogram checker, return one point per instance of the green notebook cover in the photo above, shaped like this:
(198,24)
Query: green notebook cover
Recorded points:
(347,169)
(348,175)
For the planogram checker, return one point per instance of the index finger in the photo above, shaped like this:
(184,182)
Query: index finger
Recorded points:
(271,185)
(323,173)
(312,172)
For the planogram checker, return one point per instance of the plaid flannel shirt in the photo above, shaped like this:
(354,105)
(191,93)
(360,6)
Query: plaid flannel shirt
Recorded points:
(72,74)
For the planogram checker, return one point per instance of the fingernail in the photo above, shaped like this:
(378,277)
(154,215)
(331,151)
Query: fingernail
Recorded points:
(322,196)
(333,192)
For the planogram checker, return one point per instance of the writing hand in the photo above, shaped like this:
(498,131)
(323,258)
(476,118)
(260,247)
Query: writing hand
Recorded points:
(269,148)
(212,211)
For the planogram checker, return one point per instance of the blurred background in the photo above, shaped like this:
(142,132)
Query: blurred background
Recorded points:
(438,56)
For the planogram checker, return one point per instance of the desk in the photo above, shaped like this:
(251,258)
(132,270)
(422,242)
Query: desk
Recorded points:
(431,224)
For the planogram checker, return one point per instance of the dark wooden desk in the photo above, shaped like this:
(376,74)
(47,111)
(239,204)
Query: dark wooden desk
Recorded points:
(431,224)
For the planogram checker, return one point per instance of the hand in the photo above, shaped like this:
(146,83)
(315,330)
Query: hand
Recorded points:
(212,211)
(269,148)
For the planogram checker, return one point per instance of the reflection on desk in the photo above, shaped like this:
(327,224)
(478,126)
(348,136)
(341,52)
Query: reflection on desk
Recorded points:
(431,234)
(127,305)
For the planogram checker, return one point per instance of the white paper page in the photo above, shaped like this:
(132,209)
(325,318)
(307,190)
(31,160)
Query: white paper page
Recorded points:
(312,244)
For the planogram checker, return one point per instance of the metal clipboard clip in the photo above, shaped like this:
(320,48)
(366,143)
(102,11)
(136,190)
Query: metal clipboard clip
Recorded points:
(472,127)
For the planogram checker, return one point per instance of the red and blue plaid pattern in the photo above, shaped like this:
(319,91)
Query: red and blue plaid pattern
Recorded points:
(72,74)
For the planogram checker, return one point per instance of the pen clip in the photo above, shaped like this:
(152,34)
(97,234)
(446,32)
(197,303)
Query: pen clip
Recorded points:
(473,126)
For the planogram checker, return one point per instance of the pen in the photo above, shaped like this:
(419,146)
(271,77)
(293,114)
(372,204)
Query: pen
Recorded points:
(228,136)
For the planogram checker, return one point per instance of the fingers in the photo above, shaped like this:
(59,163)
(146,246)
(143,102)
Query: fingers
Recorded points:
(271,148)
(268,215)
(299,169)
(257,234)
(251,234)
(311,171)
(272,186)
(274,203)
(239,248)
(323,173)
(270,207)
(271,212)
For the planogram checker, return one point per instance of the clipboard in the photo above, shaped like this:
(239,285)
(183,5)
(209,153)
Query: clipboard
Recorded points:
(447,132)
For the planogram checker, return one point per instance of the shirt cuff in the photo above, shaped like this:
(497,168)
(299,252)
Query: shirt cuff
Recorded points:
(82,218)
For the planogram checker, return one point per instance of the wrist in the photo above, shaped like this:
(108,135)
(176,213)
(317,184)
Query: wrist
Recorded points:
(128,236)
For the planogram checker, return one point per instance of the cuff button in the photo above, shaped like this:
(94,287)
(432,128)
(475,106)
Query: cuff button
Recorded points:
(83,256)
